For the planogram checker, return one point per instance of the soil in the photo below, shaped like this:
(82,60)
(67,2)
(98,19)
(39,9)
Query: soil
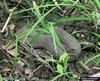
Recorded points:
(30,65)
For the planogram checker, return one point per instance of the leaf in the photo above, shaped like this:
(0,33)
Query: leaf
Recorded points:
(96,34)
(78,35)
(1,79)
(17,80)
(63,57)
(98,15)
(98,43)
(86,43)
(98,3)
(59,68)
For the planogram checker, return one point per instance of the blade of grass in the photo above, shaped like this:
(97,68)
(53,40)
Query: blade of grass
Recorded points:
(66,74)
(59,43)
(53,37)
(37,12)
(1,79)
(52,5)
(16,58)
(56,3)
(93,58)
(98,3)
(96,34)
(72,19)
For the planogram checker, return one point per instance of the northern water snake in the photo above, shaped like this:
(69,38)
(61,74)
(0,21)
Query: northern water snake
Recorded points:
(70,43)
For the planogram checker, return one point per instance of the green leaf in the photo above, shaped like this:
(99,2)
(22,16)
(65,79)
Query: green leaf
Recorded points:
(17,80)
(96,34)
(63,57)
(78,35)
(98,43)
(98,3)
(1,78)
(59,68)
(86,43)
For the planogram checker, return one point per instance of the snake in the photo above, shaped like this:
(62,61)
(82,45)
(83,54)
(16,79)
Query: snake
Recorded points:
(70,43)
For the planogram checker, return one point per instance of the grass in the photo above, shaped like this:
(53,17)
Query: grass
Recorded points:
(93,58)
(41,11)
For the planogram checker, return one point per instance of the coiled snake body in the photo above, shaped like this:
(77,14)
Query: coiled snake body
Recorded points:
(71,45)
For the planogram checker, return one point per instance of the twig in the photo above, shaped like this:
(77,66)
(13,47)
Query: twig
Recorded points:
(6,7)
(7,21)
(96,68)
(87,69)
(36,70)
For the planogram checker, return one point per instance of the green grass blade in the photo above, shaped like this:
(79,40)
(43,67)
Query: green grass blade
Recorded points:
(37,12)
(98,3)
(73,19)
(1,79)
(52,5)
(53,37)
(95,34)
(93,58)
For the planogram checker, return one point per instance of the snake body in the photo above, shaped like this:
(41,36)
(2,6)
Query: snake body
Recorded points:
(70,43)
